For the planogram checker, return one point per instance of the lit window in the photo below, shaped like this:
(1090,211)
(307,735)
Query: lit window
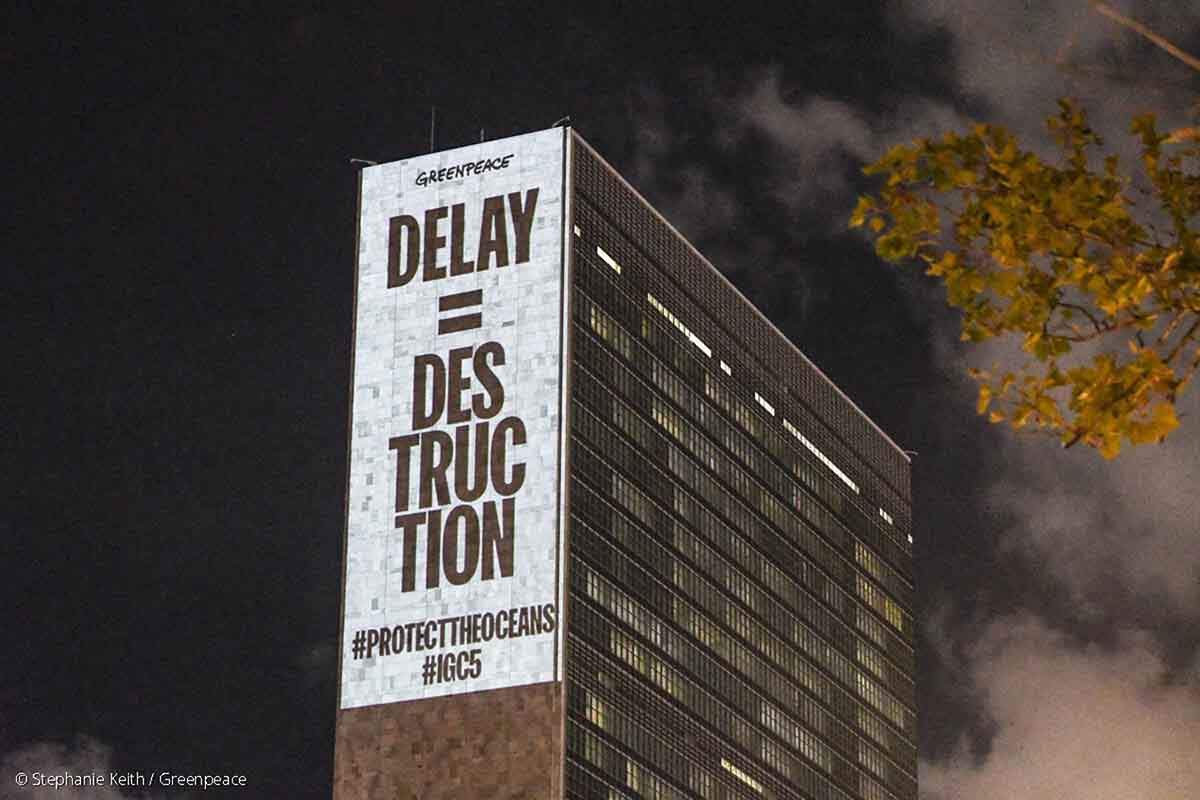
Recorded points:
(910,541)
(684,329)
(577,231)
(725,368)
(886,516)
(762,402)
(607,259)
(812,448)
(741,775)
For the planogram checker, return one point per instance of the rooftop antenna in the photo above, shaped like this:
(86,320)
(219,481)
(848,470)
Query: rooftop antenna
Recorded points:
(432,125)
(481,135)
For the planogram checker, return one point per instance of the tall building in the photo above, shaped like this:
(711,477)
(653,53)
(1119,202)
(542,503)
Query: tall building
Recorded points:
(609,534)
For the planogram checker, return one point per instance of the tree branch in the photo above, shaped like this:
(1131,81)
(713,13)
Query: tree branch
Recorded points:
(1139,28)
(1087,313)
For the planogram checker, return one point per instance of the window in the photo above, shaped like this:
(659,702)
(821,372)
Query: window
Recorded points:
(762,402)
(741,775)
(684,329)
(812,448)
(607,259)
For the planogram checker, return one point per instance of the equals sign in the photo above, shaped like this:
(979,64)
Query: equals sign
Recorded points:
(456,302)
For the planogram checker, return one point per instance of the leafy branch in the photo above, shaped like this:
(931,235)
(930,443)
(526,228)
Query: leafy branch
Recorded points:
(1103,293)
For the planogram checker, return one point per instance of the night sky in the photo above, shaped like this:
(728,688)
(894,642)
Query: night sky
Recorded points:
(179,255)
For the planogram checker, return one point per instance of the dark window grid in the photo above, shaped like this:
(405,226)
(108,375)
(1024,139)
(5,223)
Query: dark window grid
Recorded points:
(727,559)
(837,709)
(635,742)
(770,544)
(741,591)
(609,292)
(777,443)
(645,269)
(598,626)
(779,550)
(588,310)
(701,282)
(621,688)
(754,488)
(841,567)
(684,705)
(588,464)
(785,619)
(594,620)
(777,476)
(759,552)
(654,660)
(848,750)
(632,701)
(629,615)
(610,561)
(840,528)
(686,358)
(741,480)
(739,307)
(586,782)
(864,686)
(604,439)
(610,757)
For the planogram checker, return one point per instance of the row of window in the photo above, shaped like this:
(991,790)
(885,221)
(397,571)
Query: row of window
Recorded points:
(623,711)
(746,449)
(784,584)
(599,435)
(743,447)
(645,661)
(781,619)
(591,546)
(589,506)
(710,297)
(586,745)
(699,481)
(585,784)
(589,389)
(685,360)
(706,589)
(729,719)
(589,467)
(585,501)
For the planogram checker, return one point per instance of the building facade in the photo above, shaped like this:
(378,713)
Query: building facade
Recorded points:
(732,540)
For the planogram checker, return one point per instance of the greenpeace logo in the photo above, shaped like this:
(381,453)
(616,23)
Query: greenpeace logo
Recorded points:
(426,177)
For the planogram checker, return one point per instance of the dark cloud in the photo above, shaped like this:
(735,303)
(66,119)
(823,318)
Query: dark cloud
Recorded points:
(1074,722)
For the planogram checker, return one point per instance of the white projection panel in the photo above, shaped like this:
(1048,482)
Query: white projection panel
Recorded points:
(453,532)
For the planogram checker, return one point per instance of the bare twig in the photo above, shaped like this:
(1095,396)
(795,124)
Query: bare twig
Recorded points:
(1139,28)
(1087,313)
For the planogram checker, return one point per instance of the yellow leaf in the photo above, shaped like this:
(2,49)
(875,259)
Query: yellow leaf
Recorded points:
(985,399)
(1163,420)
(876,224)
(1182,135)
(1110,447)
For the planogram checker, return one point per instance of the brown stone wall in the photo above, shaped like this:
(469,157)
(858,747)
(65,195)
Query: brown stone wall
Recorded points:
(503,744)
